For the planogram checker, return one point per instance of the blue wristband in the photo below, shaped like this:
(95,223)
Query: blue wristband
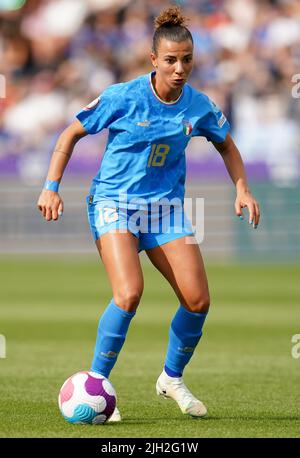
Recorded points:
(51,185)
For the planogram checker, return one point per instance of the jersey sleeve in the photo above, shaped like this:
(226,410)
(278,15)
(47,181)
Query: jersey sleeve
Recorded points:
(98,114)
(214,125)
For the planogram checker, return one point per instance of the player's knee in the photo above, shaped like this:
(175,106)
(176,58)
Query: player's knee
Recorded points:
(128,299)
(198,304)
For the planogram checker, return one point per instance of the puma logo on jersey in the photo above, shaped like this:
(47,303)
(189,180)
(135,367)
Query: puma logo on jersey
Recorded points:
(143,123)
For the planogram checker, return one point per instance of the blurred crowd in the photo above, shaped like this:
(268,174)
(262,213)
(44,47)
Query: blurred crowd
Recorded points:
(58,55)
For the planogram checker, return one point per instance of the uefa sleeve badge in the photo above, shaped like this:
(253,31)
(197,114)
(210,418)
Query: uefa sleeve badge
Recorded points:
(93,104)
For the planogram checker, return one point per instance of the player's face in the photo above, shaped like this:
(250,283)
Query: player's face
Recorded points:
(173,62)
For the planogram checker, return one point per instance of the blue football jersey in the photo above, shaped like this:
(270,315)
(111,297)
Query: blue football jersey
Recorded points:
(144,160)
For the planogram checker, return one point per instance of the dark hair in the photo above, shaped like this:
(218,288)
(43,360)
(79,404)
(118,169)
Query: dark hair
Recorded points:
(170,24)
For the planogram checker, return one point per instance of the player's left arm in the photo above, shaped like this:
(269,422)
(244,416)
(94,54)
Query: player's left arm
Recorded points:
(235,166)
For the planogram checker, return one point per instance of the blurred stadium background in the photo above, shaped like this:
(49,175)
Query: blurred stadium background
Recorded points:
(57,55)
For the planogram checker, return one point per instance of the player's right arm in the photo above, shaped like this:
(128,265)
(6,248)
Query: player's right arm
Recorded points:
(50,202)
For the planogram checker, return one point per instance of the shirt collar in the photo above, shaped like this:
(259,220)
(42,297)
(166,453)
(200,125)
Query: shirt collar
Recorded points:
(157,97)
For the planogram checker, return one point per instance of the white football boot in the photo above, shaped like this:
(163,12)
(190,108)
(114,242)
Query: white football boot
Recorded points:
(116,416)
(174,388)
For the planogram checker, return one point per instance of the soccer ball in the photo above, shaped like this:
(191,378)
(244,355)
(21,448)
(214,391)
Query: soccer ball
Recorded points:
(87,397)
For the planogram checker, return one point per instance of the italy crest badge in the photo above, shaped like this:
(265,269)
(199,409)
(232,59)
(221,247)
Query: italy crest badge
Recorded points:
(187,127)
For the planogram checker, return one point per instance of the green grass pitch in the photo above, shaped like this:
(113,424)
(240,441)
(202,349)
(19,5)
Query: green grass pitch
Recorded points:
(242,370)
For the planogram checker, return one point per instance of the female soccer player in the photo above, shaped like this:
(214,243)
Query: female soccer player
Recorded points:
(140,188)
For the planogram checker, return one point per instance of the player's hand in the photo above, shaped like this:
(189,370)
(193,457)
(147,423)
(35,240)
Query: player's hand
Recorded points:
(245,199)
(50,204)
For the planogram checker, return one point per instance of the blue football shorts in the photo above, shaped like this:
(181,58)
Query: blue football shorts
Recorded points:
(153,226)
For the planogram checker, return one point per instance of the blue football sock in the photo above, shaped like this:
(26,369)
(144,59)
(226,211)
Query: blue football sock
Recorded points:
(184,335)
(112,330)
